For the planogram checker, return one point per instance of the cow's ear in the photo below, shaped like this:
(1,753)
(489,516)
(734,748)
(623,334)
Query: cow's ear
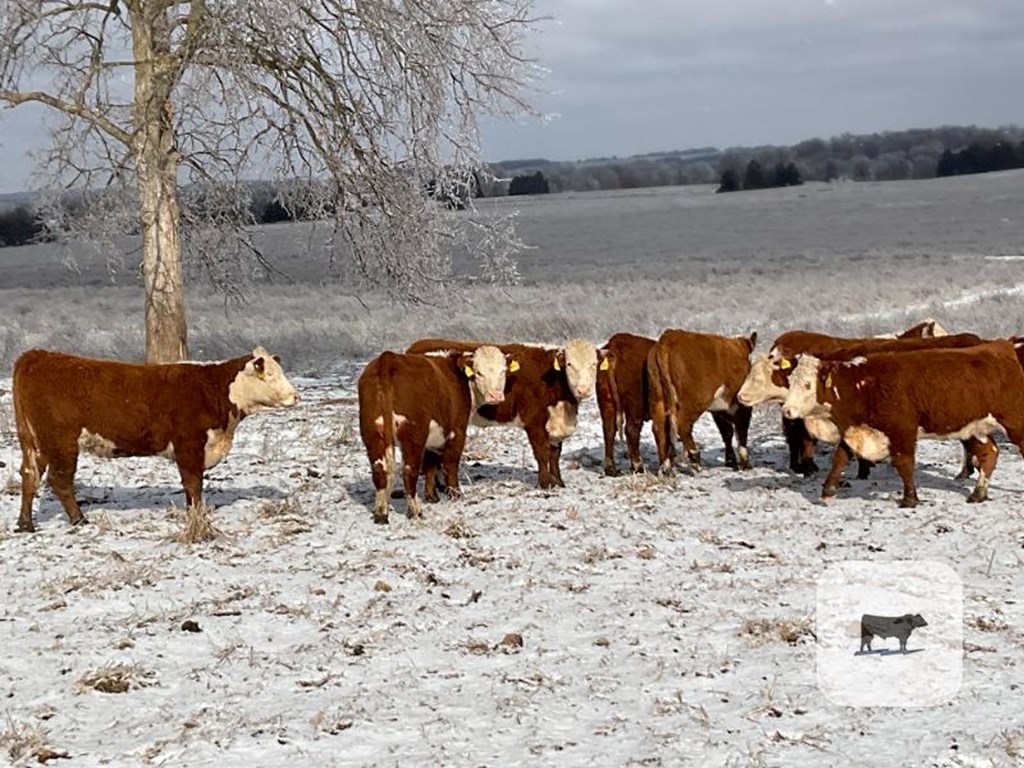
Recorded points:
(277,359)
(604,357)
(513,365)
(559,360)
(259,367)
(784,364)
(753,340)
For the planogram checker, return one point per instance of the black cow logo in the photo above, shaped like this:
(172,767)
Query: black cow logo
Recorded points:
(889,626)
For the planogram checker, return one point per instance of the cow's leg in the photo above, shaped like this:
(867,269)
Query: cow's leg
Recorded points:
(686,415)
(541,445)
(967,466)
(412,459)
(725,429)
(608,419)
(662,436)
(801,447)
(382,469)
(840,458)
(450,459)
(61,476)
(33,467)
(190,459)
(902,452)
(430,467)
(633,427)
(741,419)
(554,457)
(864,467)
(984,455)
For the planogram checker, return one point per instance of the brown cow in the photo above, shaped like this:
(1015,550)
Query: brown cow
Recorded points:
(543,397)
(878,404)
(622,396)
(186,412)
(791,344)
(422,403)
(690,373)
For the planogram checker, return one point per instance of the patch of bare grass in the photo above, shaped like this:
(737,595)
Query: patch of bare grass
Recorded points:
(23,742)
(790,631)
(198,525)
(115,678)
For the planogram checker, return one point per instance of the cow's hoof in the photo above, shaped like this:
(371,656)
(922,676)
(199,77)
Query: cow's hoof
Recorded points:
(829,491)
(79,521)
(453,494)
(431,498)
(25,528)
(637,469)
(826,499)
(610,470)
(380,519)
(908,502)
(977,498)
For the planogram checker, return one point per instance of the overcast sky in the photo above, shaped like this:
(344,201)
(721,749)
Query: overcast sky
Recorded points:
(634,76)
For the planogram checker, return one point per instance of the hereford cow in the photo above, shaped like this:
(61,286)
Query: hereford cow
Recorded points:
(422,404)
(768,381)
(880,402)
(543,397)
(884,627)
(186,412)
(622,396)
(690,373)
(791,344)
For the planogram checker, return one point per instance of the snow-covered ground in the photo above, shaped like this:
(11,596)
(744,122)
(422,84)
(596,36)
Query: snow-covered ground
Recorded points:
(619,621)
(626,621)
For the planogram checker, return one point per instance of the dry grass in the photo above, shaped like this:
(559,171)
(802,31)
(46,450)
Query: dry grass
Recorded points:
(791,631)
(1012,743)
(115,678)
(198,526)
(23,742)
(11,486)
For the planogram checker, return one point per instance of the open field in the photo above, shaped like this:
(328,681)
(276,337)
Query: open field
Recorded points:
(625,621)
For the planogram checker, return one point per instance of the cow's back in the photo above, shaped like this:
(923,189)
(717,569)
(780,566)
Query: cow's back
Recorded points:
(703,366)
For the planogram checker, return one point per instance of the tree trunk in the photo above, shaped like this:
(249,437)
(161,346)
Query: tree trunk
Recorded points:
(156,161)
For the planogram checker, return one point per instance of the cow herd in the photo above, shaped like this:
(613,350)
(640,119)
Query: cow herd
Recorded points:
(872,397)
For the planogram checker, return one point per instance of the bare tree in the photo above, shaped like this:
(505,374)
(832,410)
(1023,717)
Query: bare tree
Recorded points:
(165,106)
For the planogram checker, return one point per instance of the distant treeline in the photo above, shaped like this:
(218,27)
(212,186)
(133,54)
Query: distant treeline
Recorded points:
(913,154)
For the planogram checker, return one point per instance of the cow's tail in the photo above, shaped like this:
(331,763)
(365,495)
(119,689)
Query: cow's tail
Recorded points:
(387,459)
(671,398)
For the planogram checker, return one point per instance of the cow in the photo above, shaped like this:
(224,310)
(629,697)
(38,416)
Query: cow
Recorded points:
(422,403)
(768,381)
(622,397)
(885,627)
(186,412)
(927,329)
(790,344)
(543,397)
(878,404)
(690,373)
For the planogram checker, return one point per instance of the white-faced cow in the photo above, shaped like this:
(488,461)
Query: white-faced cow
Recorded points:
(881,402)
(422,404)
(542,397)
(788,346)
(768,381)
(186,412)
(690,373)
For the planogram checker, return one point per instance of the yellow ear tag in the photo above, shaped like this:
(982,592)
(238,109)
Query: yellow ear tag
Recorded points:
(469,372)
(604,365)
(784,364)
(513,366)
(828,381)
(557,366)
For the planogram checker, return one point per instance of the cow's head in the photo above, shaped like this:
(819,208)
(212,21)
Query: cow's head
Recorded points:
(802,398)
(261,384)
(487,368)
(765,382)
(580,360)
(917,620)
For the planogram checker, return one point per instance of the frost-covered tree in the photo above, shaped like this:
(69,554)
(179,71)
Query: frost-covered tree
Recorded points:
(165,106)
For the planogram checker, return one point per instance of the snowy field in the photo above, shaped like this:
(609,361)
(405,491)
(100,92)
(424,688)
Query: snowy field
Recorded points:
(625,621)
